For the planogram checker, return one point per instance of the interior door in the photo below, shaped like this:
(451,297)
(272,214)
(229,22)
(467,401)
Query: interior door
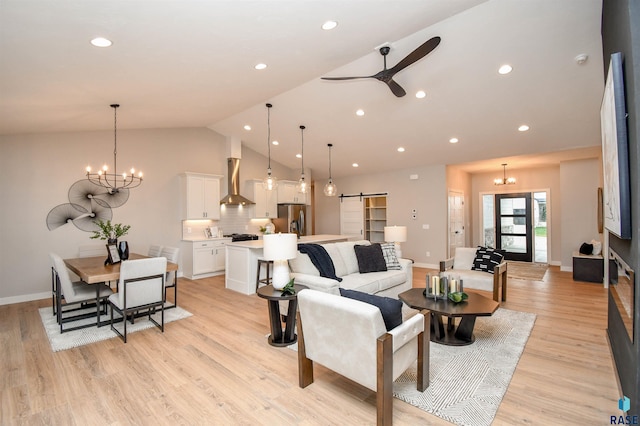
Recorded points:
(514,226)
(351,217)
(456,221)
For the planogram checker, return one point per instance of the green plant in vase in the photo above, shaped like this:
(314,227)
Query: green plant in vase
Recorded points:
(109,231)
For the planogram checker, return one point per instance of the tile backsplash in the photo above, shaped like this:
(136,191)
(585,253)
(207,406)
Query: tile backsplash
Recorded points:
(233,219)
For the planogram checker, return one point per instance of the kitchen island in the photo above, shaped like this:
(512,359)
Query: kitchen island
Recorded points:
(241,264)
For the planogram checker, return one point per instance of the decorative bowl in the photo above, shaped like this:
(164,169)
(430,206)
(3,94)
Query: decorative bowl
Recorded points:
(458,297)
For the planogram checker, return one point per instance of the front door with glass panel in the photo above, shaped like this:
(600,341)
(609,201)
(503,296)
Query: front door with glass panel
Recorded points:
(513,226)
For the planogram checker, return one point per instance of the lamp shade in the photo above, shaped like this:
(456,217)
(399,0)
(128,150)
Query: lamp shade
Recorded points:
(280,246)
(395,234)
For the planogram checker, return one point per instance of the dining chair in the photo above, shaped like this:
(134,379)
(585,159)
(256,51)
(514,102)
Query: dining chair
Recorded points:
(155,250)
(171,254)
(141,288)
(75,293)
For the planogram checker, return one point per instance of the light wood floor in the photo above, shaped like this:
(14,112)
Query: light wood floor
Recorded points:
(217,368)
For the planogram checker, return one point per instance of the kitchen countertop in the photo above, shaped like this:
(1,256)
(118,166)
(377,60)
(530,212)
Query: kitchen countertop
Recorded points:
(199,239)
(323,238)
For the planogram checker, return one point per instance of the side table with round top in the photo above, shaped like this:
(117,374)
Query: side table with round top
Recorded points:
(475,306)
(278,337)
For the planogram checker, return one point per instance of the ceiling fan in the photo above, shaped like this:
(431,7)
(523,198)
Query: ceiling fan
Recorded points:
(386,75)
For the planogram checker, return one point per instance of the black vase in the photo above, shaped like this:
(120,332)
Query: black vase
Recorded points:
(123,250)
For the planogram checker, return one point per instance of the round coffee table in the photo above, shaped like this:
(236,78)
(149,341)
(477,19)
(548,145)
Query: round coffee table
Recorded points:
(475,306)
(278,337)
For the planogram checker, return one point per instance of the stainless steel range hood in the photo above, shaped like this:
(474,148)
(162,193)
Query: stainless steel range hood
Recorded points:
(233,197)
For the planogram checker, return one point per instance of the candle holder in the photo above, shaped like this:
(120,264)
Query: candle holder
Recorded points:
(455,284)
(437,287)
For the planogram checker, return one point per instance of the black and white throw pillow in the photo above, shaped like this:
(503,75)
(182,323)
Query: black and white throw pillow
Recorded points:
(390,257)
(486,259)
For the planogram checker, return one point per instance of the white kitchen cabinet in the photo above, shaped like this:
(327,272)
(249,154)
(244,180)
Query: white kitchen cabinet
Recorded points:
(204,258)
(200,196)
(287,193)
(266,201)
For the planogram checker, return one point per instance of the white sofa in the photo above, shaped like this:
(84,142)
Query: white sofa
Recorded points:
(387,283)
(460,266)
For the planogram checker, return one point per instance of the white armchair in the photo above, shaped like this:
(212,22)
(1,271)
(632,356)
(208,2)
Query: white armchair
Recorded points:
(172,254)
(141,288)
(350,338)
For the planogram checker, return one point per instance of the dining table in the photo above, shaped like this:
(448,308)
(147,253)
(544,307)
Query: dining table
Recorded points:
(94,270)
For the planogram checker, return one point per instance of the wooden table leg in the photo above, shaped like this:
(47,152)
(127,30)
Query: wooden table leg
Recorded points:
(465,329)
(274,318)
(289,333)
(437,326)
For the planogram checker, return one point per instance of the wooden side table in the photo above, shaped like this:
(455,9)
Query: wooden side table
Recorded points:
(279,337)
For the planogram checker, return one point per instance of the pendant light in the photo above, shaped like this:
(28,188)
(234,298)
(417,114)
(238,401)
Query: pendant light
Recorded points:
(302,183)
(330,189)
(505,180)
(270,182)
(114,182)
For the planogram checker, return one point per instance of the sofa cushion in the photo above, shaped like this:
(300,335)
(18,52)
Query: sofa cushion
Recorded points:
(486,259)
(464,257)
(302,264)
(370,258)
(390,257)
(374,282)
(474,279)
(336,257)
(391,309)
(348,254)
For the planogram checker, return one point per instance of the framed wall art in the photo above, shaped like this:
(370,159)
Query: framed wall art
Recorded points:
(615,152)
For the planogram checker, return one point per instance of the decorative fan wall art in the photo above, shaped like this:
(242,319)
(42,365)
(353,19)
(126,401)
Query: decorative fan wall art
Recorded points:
(87,203)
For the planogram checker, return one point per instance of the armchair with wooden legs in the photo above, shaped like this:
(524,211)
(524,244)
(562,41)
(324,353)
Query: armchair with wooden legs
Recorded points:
(349,337)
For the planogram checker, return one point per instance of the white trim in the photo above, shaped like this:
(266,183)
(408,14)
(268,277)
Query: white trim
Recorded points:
(427,265)
(24,298)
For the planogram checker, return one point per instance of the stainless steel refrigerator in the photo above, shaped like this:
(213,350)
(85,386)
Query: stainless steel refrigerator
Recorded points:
(292,218)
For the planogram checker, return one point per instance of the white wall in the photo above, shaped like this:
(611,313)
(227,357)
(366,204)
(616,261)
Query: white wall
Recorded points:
(579,181)
(427,194)
(37,170)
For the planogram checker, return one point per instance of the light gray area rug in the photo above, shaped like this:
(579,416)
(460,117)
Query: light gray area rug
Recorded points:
(85,336)
(467,383)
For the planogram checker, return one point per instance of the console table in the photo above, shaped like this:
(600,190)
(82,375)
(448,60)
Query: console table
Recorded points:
(590,268)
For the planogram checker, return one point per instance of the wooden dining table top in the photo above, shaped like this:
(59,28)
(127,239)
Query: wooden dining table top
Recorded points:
(92,270)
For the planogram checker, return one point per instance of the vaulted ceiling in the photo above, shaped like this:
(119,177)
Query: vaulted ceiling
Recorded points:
(190,63)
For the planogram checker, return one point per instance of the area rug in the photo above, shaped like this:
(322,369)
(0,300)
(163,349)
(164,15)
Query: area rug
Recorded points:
(526,270)
(467,383)
(85,336)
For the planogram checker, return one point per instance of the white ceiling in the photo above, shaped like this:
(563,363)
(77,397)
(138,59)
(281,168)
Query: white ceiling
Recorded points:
(189,63)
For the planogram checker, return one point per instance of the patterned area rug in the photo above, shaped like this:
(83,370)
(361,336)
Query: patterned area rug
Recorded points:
(85,336)
(467,383)
(526,270)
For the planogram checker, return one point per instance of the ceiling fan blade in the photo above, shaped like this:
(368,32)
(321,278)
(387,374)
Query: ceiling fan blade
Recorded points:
(344,78)
(396,88)
(416,55)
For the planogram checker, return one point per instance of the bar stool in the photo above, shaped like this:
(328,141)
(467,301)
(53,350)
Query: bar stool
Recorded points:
(269,266)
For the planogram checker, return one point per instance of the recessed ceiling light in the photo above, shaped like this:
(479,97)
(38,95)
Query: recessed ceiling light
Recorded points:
(523,128)
(360,112)
(260,66)
(298,155)
(247,127)
(453,140)
(505,69)
(275,143)
(420,94)
(329,25)
(401,149)
(101,42)
(355,165)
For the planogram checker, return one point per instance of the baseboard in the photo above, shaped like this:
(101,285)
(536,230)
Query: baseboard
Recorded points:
(566,268)
(427,265)
(24,298)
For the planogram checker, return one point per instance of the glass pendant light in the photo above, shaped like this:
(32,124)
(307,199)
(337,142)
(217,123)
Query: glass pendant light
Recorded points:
(330,189)
(302,186)
(270,182)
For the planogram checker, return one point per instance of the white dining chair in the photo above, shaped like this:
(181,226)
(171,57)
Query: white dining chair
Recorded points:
(141,288)
(171,254)
(75,293)
(155,250)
